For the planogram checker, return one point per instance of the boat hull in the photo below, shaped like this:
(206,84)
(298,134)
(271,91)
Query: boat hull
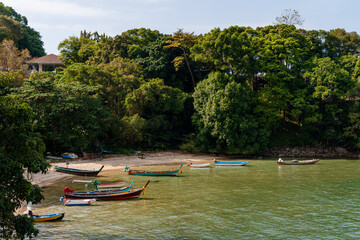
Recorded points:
(230,164)
(304,162)
(79,202)
(203,165)
(78,172)
(108,197)
(99,192)
(47,218)
(111,196)
(171,173)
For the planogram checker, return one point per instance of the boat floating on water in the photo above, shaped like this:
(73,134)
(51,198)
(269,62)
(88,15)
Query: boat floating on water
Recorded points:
(229,164)
(47,217)
(98,192)
(152,173)
(297,162)
(109,196)
(199,165)
(77,202)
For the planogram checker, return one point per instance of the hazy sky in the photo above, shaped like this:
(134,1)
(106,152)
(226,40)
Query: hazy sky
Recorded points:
(57,20)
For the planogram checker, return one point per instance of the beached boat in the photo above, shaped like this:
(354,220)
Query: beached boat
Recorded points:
(152,173)
(79,172)
(110,196)
(46,218)
(98,192)
(297,162)
(231,164)
(91,155)
(199,165)
(77,202)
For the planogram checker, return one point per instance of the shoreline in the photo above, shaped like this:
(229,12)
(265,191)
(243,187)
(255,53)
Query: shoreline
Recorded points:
(114,162)
(118,161)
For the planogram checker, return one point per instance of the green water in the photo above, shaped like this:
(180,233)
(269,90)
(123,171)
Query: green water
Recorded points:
(259,201)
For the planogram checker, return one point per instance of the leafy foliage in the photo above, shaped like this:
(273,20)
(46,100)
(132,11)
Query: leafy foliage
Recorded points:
(20,152)
(69,116)
(15,27)
(225,118)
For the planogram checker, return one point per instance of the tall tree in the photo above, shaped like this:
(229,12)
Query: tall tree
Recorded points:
(161,106)
(11,59)
(290,17)
(225,117)
(68,115)
(183,41)
(15,27)
(338,43)
(20,152)
(231,50)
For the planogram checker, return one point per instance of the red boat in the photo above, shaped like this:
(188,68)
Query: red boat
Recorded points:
(109,196)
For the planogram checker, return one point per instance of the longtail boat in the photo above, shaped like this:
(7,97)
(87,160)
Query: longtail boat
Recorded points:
(78,172)
(199,165)
(110,196)
(152,173)
(98,192)
(218,163)
(297,162)
(48,217)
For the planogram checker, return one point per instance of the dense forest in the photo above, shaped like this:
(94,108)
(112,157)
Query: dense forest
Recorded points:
(235,90)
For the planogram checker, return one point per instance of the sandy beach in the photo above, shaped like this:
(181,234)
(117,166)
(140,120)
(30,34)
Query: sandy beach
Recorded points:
(119,161)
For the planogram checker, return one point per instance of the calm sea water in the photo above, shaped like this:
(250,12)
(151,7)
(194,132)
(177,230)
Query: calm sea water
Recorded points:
(259,201)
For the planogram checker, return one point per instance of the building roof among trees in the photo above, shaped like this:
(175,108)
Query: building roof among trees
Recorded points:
(48,59)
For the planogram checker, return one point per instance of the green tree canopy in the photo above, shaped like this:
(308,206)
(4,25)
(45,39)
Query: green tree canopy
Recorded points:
(225,117)
(20,152)
(15,27)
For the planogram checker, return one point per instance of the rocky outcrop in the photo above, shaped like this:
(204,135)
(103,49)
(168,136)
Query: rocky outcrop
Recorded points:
(311,152)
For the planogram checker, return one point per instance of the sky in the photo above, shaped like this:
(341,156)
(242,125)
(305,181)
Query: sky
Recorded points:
(57,20)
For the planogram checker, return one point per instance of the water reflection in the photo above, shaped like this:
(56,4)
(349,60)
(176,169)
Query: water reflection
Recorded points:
(260,201)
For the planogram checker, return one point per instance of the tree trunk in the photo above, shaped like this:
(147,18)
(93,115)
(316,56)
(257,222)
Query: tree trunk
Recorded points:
(189,68)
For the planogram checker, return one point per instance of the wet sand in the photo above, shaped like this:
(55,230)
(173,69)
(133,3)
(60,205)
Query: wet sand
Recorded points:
(118,161)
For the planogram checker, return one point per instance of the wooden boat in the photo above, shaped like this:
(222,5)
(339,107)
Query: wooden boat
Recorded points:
(79,172)
(111,185)
(297,162)
(110,196)
(218,163)
(153,173)
(98,192)
(91,155)
(77,202)
(199,165)
(46,218)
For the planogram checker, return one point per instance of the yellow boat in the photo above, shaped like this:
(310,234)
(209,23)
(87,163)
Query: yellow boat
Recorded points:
(48,217)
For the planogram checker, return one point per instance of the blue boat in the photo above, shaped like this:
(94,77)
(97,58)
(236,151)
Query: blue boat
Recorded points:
(99,192)
(218,163)
(46,218)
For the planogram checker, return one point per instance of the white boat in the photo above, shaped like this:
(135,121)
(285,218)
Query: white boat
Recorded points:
(77,202)
(199,165)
